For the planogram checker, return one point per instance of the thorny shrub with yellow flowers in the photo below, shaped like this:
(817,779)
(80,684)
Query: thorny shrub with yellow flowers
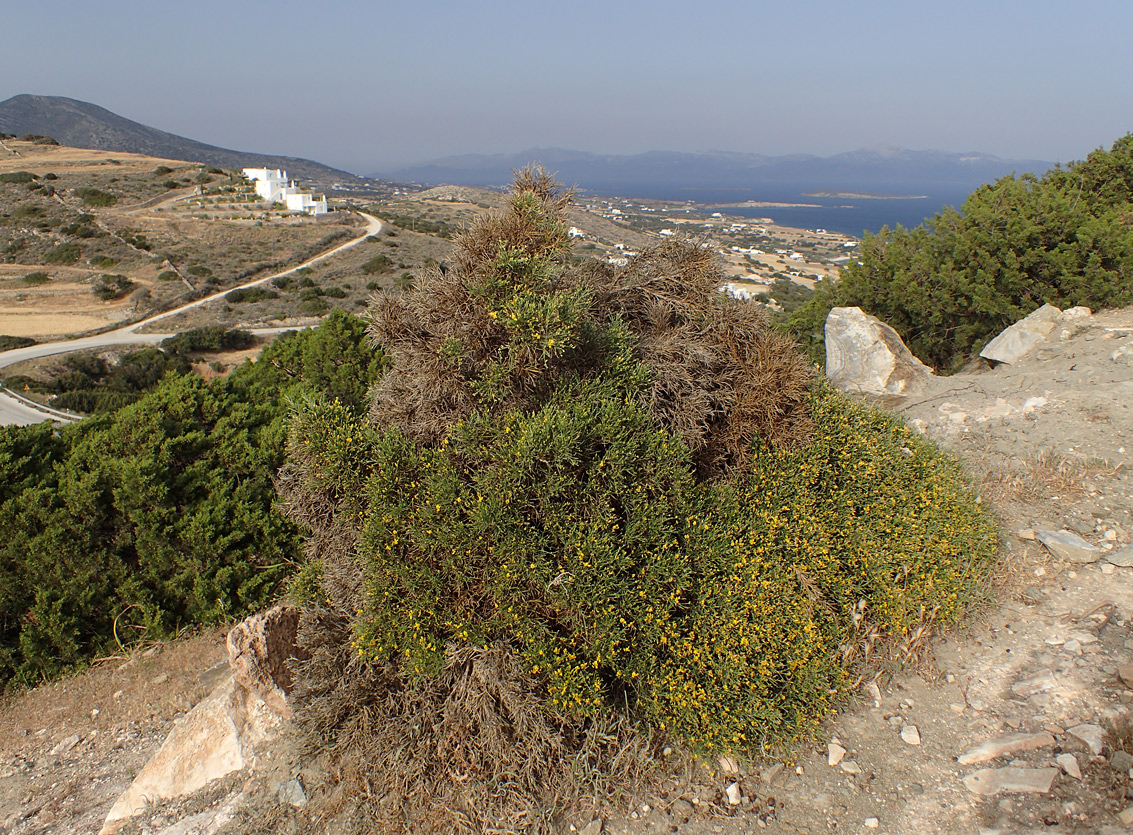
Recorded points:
(629,484)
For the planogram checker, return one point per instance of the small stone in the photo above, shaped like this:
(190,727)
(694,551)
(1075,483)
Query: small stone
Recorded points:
(1069,764)
(1013,743)
(1038,683)
(1090,735)
(1107,568)
(1125,673)
(956,707)
(910,735)
(770,773)
(1068,546)
(1121,761)
(1026,534)
(292,793)
(850,767)
(733,794)
(681,810)
(94,713)
(65,745)
(161,679)
(117,695)
(728,765)
(834,754)
(989,781)
(1084,526)
(1126,816)
(592,828)
(1072,646)
(872,823)
(871,690)
(1122,556)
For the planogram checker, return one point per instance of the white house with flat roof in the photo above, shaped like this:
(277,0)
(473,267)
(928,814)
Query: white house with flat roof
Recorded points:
(273,185)
(313,204)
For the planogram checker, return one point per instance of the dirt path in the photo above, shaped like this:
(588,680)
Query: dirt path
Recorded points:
(1048,440)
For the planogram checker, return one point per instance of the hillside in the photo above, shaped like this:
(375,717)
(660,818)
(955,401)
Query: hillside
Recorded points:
(85,125)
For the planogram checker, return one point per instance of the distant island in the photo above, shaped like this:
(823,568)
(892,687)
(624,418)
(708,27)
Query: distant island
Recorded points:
(765,204)
(856,195)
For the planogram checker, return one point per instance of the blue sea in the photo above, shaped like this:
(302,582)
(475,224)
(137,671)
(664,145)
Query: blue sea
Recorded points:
(849,215)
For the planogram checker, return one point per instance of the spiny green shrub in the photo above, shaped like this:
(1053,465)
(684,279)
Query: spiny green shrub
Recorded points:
(95,197)
(207,338)
(8,343)
(64,253)
(248,295)
(36,278)
(627,487)
(110,287)
(377,264)
(953,283)
(18,177)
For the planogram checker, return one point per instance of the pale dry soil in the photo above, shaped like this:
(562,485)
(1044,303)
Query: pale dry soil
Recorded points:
(1048,442)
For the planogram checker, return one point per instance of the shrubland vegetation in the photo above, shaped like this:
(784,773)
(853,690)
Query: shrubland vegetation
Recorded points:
(87,383)
(951,284)
(134,524)
(591,507)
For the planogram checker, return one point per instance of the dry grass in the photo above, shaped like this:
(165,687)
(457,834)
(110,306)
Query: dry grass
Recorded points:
(1044,477)
(475,750)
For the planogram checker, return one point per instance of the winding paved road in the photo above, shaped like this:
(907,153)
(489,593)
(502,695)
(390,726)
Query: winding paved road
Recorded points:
(17,410)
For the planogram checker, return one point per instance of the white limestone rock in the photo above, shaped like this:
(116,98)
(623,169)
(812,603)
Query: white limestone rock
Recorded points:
(1010,744)
(1018,340)
(1090,735)
(989,781)
(865,355)
(216,738)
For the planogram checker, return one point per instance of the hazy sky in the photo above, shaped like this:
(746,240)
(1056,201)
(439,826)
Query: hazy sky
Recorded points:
(369,86)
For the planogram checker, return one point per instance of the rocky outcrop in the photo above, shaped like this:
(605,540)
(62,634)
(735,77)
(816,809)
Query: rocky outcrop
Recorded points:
(221,733)
(865,355)
(259,649)
(1024,336)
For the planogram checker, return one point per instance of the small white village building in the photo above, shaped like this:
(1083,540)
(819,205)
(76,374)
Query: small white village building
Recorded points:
(314,204)
(274,186)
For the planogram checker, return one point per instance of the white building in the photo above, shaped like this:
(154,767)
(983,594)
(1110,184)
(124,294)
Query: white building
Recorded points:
(313,204)
(274,186)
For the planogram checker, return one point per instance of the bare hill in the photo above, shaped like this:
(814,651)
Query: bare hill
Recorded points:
(85,125)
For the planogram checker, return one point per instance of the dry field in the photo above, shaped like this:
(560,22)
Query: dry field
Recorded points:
(89,214)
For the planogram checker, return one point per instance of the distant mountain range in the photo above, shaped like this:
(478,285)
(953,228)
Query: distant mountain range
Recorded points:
(668,174)
(84,125)
(884,170)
